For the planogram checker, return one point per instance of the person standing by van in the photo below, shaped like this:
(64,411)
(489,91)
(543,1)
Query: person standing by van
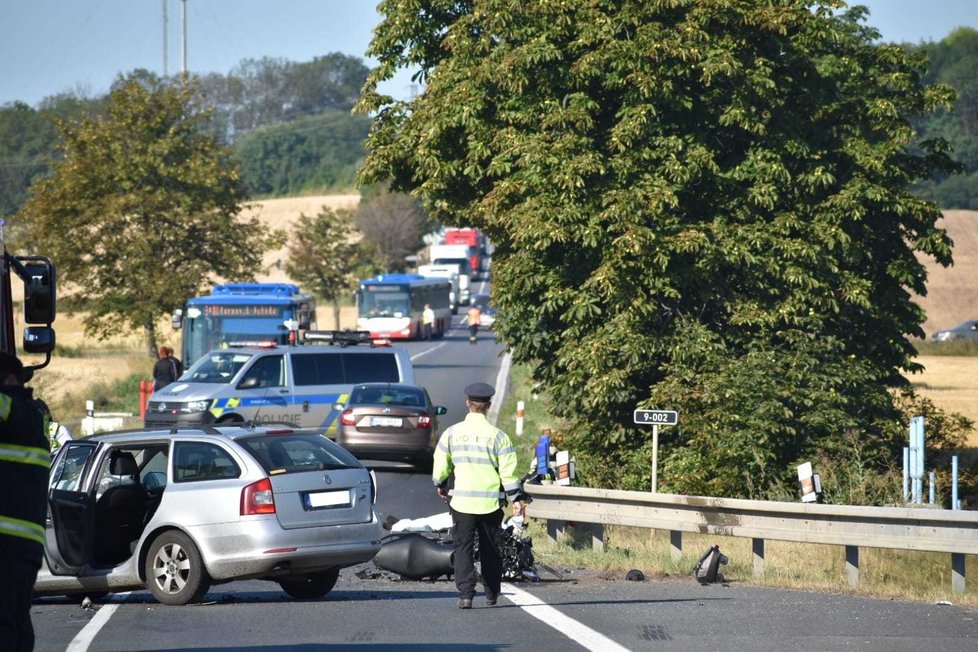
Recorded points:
(427,320)
(166,370)
(25,460)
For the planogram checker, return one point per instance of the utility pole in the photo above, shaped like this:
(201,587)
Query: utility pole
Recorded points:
(165,38)
(183,4)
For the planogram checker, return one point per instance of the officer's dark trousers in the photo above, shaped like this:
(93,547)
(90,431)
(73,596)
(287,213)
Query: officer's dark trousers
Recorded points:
(16,587)
(488,527)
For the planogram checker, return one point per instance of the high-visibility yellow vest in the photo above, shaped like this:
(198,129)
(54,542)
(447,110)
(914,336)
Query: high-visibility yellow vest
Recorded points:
(483,460)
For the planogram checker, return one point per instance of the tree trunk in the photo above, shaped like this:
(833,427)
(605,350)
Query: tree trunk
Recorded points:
(151,345)
(336,312)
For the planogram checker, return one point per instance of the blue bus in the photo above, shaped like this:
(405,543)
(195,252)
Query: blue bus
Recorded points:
(243,312)
(389,306)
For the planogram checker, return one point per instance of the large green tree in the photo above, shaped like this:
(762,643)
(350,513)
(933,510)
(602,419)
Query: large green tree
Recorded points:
(143,210)
(695,204)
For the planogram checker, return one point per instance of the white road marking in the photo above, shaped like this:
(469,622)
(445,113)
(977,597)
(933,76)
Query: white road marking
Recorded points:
(427,351)
(85,637)
(575,631)
(501,379)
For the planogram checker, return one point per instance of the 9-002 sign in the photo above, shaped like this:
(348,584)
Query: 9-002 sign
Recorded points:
(657,417)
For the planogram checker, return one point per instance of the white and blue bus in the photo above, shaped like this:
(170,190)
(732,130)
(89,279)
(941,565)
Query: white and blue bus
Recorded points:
(243,312)
(389,306)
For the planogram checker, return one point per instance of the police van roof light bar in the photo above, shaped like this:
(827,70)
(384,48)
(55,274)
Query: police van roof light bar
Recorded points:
(342,338)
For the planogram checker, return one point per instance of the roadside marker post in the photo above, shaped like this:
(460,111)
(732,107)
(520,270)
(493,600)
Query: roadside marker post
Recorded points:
(656,418)
(519,418)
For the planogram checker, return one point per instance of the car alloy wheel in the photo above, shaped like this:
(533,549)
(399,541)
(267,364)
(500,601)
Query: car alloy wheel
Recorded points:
(175,571)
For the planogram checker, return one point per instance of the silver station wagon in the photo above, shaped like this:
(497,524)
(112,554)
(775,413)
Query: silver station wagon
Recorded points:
(177,510)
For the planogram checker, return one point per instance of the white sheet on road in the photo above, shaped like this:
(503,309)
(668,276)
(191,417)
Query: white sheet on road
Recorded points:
(436,523)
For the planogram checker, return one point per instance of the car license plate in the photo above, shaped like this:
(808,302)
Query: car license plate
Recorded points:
(328,498)
(391,422)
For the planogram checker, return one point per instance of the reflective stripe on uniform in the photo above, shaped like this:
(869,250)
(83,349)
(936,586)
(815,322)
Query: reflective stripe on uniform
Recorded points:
(464,459)
(25,455)
(458,493)
(5,404)
(15,527)
(511,487)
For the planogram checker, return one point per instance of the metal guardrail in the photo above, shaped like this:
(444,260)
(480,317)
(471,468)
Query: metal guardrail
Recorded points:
(900,528)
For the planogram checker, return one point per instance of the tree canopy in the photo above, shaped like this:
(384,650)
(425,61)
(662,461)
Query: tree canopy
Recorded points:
(699,205)
(325,256)
(143,210)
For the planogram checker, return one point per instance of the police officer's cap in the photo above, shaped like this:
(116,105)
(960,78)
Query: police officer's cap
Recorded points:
(479,392)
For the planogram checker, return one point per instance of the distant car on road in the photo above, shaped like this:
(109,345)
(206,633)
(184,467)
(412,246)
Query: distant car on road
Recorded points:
(177,510)
(390,421)
(965,331)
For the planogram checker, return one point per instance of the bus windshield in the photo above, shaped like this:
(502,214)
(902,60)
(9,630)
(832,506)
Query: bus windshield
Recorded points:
(384,304)
(219,367)
(205,331)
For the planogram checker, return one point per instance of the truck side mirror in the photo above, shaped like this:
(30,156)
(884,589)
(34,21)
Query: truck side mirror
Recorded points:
(176,319)
(39,292)
(39,339)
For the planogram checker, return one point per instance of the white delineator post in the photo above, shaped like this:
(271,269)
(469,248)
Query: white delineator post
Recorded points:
(519,418)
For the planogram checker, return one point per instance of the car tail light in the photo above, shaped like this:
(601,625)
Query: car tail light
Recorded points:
(424,420)
(346,418)
(257,498)
(373,487)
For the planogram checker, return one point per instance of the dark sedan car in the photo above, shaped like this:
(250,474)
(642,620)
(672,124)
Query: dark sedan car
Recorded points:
(389,421)
(966,331)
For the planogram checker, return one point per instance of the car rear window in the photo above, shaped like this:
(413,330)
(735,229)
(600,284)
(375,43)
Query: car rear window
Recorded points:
(296,453)
(370,368)
(406,396)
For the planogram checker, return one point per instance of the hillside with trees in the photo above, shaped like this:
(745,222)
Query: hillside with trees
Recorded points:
(288,123)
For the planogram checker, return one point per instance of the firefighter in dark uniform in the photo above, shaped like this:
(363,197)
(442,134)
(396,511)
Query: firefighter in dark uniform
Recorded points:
(24,462)
(483,461)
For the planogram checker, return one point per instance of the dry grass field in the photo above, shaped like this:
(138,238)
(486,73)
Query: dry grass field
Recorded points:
(952,297)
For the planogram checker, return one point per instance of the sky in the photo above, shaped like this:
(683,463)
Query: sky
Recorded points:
(53,46)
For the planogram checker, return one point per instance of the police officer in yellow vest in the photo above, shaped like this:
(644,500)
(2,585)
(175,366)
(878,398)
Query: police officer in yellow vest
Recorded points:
(24,463)
(483,461)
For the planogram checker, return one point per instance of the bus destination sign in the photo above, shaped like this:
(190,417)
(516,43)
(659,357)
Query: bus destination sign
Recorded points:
(241,311)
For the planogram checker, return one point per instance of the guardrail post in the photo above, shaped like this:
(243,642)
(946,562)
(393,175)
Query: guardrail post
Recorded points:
(957,572)
(852,565)
(597,537)
(757,546)
(555,530)
(676,544)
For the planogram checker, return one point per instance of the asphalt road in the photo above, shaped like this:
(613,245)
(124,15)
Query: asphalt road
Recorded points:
(582,611)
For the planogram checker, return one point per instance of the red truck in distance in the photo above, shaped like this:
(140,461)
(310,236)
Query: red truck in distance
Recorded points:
(476,242)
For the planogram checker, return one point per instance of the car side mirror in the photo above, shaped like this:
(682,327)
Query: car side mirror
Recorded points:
(39,291)
(250,382)
(440,410)
(338,406)
(39,339)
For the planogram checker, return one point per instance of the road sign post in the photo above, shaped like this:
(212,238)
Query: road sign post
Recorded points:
(656,418)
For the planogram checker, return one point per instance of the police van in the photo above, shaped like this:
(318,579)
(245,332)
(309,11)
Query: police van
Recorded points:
(268,382)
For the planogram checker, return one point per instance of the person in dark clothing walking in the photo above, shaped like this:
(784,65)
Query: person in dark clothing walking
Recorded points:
(167,369)
(25,460)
